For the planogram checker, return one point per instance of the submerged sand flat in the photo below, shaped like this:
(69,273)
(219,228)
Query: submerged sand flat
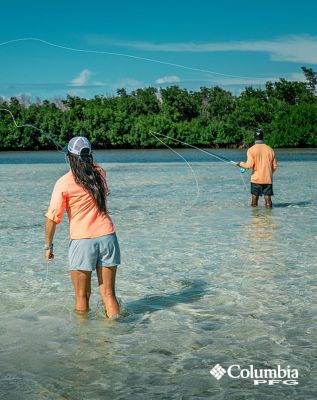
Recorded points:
(205,279)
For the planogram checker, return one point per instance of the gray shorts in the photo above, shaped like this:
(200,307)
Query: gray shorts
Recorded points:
(87,254)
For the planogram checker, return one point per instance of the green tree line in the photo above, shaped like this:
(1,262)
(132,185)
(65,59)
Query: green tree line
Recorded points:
(211,117)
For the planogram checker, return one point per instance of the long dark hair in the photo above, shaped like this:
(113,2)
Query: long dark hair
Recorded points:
(89,178)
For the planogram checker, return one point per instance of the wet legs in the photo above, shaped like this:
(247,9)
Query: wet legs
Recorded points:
(106,279)
(81,281)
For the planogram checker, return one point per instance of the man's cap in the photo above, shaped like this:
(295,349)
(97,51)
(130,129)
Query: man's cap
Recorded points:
(80,146)
(258,135)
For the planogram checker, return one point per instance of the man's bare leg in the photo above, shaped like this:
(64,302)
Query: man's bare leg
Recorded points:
(254,201)
(268,202)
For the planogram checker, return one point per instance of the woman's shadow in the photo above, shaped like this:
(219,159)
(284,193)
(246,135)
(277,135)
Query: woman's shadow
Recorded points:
(192,291)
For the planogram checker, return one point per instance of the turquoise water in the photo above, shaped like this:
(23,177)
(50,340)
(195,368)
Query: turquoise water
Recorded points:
(204,279)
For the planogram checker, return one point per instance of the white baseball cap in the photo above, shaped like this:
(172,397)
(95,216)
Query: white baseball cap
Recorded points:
(79,145)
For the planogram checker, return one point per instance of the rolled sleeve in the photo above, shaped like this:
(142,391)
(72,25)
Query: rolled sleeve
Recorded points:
(57,205)
(274,163)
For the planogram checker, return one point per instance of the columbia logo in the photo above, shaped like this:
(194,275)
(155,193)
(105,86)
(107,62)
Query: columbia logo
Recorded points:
(217,371)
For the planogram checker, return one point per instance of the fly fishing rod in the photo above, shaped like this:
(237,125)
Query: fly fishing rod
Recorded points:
(221,158)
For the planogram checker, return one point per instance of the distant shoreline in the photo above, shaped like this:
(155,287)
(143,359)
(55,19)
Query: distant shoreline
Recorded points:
(301,148)
(152,156)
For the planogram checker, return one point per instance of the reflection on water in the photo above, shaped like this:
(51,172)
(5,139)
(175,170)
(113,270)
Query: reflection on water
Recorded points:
(262,226)
(215,281)
(261,232)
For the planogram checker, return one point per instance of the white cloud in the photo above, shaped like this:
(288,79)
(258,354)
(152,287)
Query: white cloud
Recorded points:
(223,80)
(293,48)
(168,79)
(82,78)
(128,83)
(233,84)
(239,81)
(98,83)
(297,76)
(77,92)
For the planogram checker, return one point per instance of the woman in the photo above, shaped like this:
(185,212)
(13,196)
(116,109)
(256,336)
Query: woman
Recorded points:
(93,242)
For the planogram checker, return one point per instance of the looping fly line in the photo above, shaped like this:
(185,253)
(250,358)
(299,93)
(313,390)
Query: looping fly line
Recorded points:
(111,53)
(221,158)
(59,148)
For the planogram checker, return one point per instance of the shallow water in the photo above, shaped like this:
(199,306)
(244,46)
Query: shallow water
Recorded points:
(204,279)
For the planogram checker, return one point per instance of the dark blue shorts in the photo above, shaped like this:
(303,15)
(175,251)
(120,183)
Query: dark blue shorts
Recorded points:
(259,189)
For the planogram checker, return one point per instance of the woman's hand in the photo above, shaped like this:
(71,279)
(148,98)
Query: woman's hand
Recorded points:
(50,227)
(49,255)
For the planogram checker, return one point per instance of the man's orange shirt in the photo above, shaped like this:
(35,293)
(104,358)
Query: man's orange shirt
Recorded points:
(85,220)
(261,159)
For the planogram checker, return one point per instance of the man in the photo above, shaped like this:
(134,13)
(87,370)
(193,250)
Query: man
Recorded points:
(261,159)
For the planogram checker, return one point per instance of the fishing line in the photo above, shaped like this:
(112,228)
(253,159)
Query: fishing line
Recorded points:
(194,175)
(63,151)
(241,175)
(221,158)
(39,293)
(60,149)
(110,53)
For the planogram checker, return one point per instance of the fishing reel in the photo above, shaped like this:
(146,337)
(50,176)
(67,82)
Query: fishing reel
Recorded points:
(242,170)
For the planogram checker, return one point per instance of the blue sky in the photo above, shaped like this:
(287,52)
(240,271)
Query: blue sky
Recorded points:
(228,43)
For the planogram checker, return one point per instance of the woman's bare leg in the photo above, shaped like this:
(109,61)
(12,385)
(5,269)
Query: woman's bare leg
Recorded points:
(107,279)
(82,285)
